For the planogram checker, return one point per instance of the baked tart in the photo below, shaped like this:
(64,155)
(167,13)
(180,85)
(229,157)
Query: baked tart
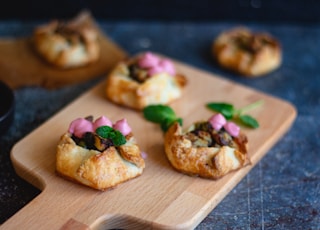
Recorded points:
(208,149)
(67,44)
(247,53)
(99,154)
(144,80)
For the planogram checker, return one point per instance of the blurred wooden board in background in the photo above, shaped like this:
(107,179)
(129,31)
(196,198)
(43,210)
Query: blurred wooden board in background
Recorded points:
(21,66)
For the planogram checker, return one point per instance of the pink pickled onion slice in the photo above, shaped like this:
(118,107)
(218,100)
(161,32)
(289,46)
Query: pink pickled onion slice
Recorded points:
(155,70)
(148,60)
(80,126)
(156,65)
(168,66)
(217,121)
(122,126)
(101,121)
(144,155)
(232,129)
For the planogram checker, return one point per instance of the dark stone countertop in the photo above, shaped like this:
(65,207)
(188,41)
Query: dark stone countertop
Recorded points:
(281,192)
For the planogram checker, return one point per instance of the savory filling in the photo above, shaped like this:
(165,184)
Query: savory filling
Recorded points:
(253,43)
(100,134)
(72,34)
(137,73)
(204,135)
(93,141)
(149,64)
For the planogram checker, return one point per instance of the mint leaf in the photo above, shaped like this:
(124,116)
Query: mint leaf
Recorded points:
(227,114)
(227,110)
(118,138)
(161,114)
(115,136)
(104,131)
(165,124)
(157,113)
(220,106)
(250,107)
(249,121)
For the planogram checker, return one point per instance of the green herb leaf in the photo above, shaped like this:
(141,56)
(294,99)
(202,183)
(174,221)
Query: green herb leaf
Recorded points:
(250,107)
(161,114)
(249,121)
(227,110)
(118,139)
(165,124)
(115,136)
(104,131)
(157,113)
(220,107)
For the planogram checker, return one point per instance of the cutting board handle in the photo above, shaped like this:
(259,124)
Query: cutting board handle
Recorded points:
(42,211)
(109,222)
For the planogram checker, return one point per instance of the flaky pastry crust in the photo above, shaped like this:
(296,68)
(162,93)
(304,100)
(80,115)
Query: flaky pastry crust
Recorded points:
(161,88)
(250,54)
(203,161)
(99,170)
(67,45)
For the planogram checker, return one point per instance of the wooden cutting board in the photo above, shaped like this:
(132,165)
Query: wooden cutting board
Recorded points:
(161,198)
(21,66)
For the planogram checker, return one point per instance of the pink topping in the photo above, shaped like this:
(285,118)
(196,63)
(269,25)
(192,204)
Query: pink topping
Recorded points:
(168,66)
(217,121)
(80,126)
(144,155)
(148,60)
(101,121)
(122,126)
(155,65)
(155,70)
(232,129)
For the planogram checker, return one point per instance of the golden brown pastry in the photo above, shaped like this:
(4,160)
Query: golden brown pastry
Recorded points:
(250,54)
(144,80)
(206,150)
(67,44)
(99,154)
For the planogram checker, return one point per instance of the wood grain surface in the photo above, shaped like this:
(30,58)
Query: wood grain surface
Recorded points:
(161,198)
(21,66)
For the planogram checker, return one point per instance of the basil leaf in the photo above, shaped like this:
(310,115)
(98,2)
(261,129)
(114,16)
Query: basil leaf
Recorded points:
(226,109)
(115,136)
(158,113)
(249,121)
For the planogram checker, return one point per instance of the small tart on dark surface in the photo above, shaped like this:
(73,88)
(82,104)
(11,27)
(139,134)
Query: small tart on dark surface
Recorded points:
(97,162)
(202,151)
(144,80)
(68,44)
(247,53)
